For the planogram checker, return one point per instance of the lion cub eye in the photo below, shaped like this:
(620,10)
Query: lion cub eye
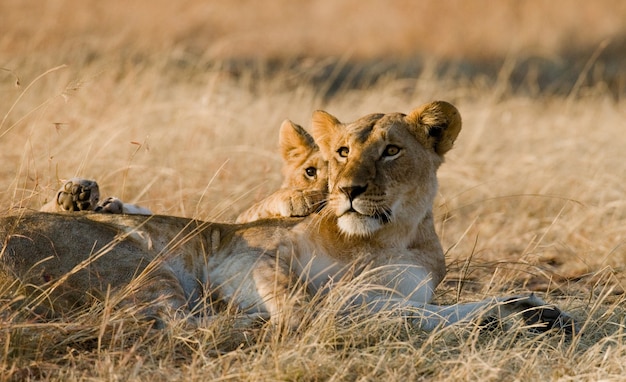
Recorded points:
(391,150)
(343,151)
(311,172)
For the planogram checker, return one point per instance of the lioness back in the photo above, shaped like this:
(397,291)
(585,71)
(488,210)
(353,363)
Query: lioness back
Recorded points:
(73,258)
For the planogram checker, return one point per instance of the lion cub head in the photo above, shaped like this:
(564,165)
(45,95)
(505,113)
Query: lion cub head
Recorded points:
(382,167)
(304,167)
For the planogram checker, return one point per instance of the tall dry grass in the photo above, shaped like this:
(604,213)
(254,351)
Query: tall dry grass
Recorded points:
(531,198)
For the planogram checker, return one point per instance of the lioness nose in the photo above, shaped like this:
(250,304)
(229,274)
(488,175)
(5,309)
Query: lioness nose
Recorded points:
(353,191)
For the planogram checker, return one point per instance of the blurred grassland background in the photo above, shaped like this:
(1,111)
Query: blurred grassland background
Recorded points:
(175,105)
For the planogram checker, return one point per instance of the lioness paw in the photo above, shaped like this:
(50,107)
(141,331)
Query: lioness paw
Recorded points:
(539,315)
(76,194)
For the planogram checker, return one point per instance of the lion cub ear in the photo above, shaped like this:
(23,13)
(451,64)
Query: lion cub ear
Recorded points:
(325,127)
(438,124)
(294,141)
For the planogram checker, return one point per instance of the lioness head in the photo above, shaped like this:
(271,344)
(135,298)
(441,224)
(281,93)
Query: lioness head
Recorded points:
(382,167)
(304,168)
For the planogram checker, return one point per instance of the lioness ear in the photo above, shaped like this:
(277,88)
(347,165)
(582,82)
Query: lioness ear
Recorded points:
(294,141)
(438,124)
(325,126)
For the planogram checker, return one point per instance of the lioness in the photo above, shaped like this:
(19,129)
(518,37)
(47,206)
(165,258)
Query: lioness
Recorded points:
(377,226)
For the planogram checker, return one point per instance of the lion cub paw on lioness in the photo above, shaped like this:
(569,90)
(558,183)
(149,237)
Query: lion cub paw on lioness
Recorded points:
(376,229)
(78,194)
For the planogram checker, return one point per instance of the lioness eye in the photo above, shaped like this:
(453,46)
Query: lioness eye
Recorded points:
(311,172)
(343,152)
(391,150)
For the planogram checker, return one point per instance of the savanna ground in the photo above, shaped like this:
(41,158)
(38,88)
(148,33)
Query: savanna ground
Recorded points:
(176,106)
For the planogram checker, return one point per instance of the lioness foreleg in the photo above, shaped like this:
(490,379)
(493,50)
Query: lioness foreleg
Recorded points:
(536,313)
(260,284)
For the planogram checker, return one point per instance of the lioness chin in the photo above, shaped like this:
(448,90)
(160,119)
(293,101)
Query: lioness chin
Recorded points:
(377,227)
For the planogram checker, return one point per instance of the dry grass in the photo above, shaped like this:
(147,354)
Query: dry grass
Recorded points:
(531,198)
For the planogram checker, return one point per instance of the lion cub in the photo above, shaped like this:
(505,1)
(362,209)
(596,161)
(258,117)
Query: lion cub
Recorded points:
(302,192)
(305,178)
